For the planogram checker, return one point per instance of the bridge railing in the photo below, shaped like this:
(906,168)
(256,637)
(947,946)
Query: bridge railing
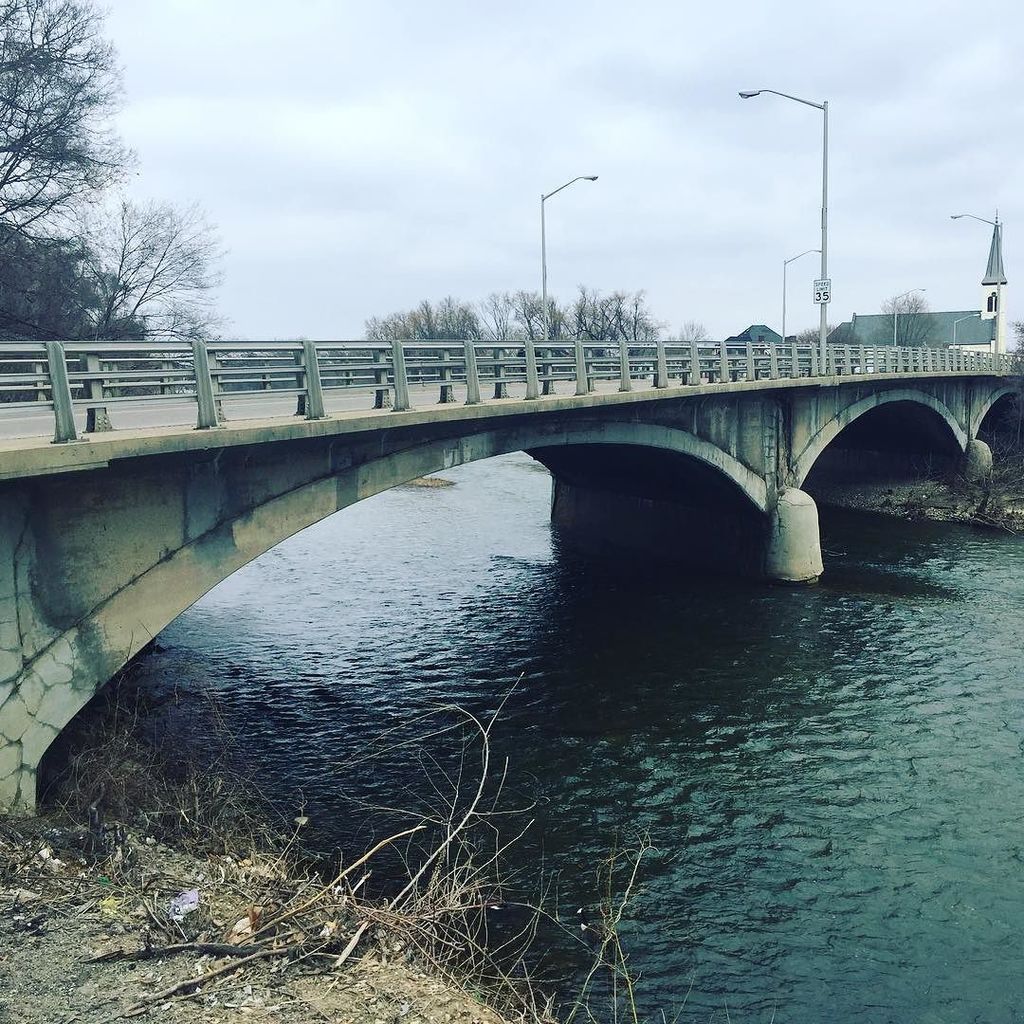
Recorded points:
(82,383)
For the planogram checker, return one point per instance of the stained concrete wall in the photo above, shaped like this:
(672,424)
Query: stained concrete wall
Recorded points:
(103,543)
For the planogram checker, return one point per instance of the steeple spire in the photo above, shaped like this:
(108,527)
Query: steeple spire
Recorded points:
(994,272)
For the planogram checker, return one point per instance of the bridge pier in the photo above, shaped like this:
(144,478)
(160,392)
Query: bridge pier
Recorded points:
(793,552)
(717,538)
(976,463)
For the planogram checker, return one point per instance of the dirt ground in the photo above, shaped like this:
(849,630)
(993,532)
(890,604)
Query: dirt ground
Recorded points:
(81,939)
(928,499)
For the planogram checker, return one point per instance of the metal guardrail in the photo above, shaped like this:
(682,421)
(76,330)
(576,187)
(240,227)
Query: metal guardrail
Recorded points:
(98,376)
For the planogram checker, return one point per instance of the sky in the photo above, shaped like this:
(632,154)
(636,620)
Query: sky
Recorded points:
(357,158)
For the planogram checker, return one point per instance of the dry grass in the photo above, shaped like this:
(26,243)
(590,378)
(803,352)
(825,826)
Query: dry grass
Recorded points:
(116,768)
(270,911)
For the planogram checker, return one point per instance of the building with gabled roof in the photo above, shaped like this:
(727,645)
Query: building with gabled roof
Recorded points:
(977,329)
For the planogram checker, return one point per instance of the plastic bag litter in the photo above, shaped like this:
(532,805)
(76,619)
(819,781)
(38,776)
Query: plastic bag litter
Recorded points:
(184,903)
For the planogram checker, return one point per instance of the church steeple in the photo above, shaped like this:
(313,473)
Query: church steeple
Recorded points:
(994,272)
(993,288)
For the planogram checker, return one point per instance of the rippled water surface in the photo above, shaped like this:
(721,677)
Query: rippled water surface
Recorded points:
(832,777)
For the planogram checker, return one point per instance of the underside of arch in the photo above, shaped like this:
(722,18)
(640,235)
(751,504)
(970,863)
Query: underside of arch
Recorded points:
(907,422)
(999,398)
(107,560)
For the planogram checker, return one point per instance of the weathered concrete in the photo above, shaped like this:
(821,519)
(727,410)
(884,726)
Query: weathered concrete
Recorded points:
(977,460)
(794,545)
(104,542)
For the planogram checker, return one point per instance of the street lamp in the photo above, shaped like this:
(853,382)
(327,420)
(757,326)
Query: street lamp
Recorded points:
(895,309)
(823,107)
(531,356)
(970,316)
(998,235)
(786,263)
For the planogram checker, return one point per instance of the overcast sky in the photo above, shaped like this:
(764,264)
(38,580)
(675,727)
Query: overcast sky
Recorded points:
(358,157)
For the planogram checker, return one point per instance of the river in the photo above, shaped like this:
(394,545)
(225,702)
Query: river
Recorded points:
(831,777)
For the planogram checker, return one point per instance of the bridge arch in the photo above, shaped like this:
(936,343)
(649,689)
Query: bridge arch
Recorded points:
(74,649)
(985,407)
(805,460)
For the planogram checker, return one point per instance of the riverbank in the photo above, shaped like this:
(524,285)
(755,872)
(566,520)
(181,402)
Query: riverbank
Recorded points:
(947,501)
(995,501)
(158,883)
(110,924)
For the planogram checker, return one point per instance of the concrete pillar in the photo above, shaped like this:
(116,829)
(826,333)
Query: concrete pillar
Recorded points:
(793,553)
(976,462)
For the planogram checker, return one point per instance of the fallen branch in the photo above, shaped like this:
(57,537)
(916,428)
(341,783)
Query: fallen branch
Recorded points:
(150,952)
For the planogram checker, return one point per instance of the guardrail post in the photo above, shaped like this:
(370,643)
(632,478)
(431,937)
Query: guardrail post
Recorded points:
(96,418)
(314,387)
(582,380)
(723,363)
(532,379)
(751,371)
(794,360)
(207,417)
(382,393)
(500,387)
(773,362)
(472,375)
(814,360)
(661,370)
(694,363)
(625,380)
(447,389)
(401,380)
(60,394)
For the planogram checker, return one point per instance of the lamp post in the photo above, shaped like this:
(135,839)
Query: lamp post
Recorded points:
(531,356)
(999,282)
(823,107)
(970,316)
(895,309)
(786,263)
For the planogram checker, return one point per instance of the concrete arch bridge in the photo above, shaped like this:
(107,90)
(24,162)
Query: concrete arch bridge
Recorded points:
(222,451)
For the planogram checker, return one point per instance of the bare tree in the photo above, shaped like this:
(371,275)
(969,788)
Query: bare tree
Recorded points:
(498,317)
(618,316)
(448,320)
(912,327)
(59,84)
(812,335)
(517,316)
(153,267)
(692,330)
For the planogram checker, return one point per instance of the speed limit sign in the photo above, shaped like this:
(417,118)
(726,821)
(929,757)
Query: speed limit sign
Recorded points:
(823,291)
